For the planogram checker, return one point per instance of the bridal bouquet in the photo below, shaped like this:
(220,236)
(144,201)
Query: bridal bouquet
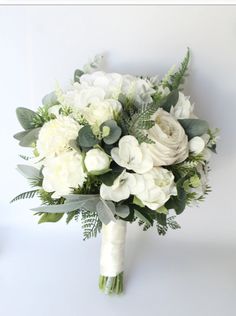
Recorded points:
(111,149)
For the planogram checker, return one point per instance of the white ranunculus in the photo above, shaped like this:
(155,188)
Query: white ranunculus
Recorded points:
(196,145)
(124,185)
(131,155)
(81,95)
(110,82)
(99,112)
(55,136)
(96,160)
(158,187)
(183,108)
(137,89)
(63,172)
(171,142)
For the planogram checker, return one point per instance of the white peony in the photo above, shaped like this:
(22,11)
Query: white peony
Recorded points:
(196,145)
(137,89)
(55,136)
(96,160)
(124,185)
(171,142)
(110,82)
(183,108)
(158,187)
(81,95)
(62,173)
(99,112)
(131,155)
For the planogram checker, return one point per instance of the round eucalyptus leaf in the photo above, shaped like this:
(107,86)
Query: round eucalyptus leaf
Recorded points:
(86,138)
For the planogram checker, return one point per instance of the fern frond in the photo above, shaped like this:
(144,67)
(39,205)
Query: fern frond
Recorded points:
(91,224)
(25,157)
(178,77)
(25,195)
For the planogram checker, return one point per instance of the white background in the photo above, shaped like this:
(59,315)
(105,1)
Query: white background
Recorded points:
(47,270)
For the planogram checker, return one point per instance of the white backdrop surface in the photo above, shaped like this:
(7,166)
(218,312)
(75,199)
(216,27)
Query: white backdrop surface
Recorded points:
(47,270)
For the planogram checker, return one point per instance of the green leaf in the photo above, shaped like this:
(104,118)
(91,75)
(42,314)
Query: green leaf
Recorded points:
(77,74)
(25,117)
(171,100)
(30,138)
(122,210)
(162,210)
(176,204)
(47,217)
(194,127)
(178,77)
(20,135)
(25,195)
(29,172)
(50,99)
(161,218)
(86,138)
(109,177)
(114,132)
(143,217)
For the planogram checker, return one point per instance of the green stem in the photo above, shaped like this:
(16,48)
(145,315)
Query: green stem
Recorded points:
(111,285)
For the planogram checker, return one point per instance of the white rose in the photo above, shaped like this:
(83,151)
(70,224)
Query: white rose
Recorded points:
(171,142)
(131,155)
(183,108)
(55,136)
(96,160)
(81,95)
(158,187)
(124,185)
(137,89)
(196,145)
(99,112)
(110,82)
(62,173)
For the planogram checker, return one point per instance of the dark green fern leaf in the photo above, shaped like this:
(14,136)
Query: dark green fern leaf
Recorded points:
(25,195)
(178,77)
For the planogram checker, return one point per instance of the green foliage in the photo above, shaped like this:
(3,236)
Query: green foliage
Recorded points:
(42,117)
(50,217)
(114,132)
(91,224)
(77,74)
(30,138)
(50,99)
(214,134)
(194,127)
(170,223)
(25,117)
(178,77)
(171,100)
(25,195)
(86,138)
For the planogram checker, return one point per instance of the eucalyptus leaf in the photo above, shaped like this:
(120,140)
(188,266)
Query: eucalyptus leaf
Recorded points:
(86,138)
(30,138)
(114,133)
(58,208)
(25,117)
(19,136)
(109,177)
(29,172)
(123,211)
(171,100)
(105,210)
(194,127)
(50,99)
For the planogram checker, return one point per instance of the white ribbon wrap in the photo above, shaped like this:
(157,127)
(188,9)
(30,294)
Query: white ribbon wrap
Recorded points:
(112,249)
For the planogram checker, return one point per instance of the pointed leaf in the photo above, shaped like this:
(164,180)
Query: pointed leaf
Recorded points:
(171,100)
(50,99)
(25,117)
(30,138)
(29,172)
(194,127)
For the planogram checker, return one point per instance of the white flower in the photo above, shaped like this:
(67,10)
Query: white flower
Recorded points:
(62,173)
(183,108)
(110,82)
(163,90)
(81,95)
(196,145)
(171,142)
(99,112)
(158,187)
(124,185)
(96,160)
(55,135)
(137,89)
(131,155)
